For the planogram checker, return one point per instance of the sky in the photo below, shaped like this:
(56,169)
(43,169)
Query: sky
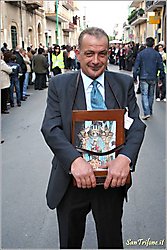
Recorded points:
(105,14)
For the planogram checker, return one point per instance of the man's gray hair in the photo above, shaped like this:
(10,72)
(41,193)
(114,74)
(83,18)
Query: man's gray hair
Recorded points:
(92,31)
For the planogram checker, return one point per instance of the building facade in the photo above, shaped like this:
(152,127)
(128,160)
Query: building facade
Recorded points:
(32,22)
(62,24)
(146,18)
(159,20)
(22,23)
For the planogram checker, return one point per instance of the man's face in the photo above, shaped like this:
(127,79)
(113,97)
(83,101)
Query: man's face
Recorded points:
(93,55)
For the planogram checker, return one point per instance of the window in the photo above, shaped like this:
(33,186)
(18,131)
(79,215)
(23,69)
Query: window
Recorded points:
(14,36)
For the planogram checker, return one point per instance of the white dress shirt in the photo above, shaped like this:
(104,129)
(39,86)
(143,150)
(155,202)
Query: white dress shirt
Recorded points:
(87,81)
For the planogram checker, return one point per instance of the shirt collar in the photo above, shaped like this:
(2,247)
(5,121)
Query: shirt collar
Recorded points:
(87,80)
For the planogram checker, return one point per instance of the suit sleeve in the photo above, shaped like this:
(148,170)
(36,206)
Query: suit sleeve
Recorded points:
(135,135)
(52,130)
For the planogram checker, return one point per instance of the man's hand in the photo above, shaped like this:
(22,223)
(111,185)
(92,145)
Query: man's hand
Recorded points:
(83,173)
(118,170)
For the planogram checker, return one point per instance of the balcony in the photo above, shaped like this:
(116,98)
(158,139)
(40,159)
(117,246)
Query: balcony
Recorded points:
(75,5)
(50,12)
(68,4)
(137,17)
(15,3)
(139,20)
(33,5)
(154,5)
(126,26)
(159,3)
(135,3)
(68,27)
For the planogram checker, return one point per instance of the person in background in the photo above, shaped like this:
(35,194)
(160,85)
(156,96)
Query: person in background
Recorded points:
(121,57)
(20,60)
(40,66)
(147,64)
(30,56)
(141,47)
(77,91)
(47,55)
(65,58)
(4,48)
(27,74)
(128,58)
(14,81)
(34,52)
(72,56)
(161,87)
(5,71)
(57,60)
(112,54)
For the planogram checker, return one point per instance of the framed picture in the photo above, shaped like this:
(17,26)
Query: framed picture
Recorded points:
(98,136)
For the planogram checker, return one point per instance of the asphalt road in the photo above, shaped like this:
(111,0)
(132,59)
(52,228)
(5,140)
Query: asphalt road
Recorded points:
(26,222)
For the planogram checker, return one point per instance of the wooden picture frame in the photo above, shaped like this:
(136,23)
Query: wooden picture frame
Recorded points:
(84,126)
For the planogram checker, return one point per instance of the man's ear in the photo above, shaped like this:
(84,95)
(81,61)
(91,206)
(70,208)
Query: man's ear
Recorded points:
(77,54)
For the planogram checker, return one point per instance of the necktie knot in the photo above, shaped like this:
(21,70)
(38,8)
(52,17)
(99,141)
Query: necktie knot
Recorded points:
(97,101)
(95,84)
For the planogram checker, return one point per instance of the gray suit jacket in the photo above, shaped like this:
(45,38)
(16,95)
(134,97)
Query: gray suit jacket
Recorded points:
(63,97)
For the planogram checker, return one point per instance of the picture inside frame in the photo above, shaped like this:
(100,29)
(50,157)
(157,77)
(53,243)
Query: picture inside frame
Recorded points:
(97,136)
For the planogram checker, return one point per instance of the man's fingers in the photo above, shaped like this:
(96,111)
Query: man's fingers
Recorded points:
(78,181)
(93,180)
(114,182)
(123,181)
(83,183)
(86,182)
(107,182)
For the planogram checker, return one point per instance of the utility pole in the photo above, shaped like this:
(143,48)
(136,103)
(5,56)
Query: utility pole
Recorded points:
(21,24)
(57,23)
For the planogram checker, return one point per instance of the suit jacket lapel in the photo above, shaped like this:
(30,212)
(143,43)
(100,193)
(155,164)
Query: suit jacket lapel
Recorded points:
(111,92)
(80,100)
(79,104)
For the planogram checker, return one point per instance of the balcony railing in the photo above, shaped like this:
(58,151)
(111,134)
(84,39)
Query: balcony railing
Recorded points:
(149,3)
(136,14)
(50,12)
(159,2)
(69,4)
(68,27)
(33,4)
(153,5)
(16,3)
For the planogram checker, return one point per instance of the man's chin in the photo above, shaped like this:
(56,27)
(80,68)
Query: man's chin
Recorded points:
(96,73)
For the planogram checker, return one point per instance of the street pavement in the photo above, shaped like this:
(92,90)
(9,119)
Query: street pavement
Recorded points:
(26,220)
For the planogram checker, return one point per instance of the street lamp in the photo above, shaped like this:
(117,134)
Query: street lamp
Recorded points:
(57,22)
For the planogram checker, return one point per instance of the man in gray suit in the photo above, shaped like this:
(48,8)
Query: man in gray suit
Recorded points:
(71,91)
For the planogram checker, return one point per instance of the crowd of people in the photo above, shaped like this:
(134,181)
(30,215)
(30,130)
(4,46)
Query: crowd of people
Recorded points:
(125,56)
(36,66)
(22,68)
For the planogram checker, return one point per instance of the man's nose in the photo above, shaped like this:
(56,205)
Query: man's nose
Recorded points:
(95,59)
